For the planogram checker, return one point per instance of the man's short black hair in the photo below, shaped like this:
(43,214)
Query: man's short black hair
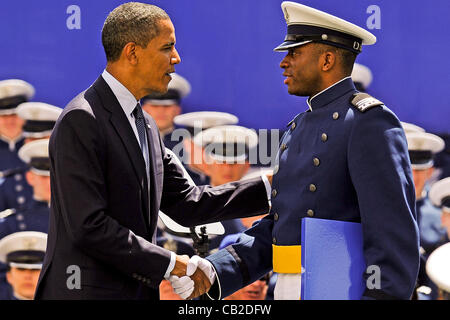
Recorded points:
(130,22)
(345,57)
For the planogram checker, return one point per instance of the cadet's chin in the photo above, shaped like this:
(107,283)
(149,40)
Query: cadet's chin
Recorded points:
(297,92)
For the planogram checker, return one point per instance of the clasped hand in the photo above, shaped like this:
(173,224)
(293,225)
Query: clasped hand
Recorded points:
(192,277)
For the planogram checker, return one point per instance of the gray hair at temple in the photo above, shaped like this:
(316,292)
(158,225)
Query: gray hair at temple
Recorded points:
(130,22)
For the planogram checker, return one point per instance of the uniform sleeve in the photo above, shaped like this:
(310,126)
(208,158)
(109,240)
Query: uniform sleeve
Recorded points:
(380,170)
(244,262)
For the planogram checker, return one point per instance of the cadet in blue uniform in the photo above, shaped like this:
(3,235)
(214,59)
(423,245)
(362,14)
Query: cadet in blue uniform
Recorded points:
(23,253)
(35,216)
(422,147)
(344,158)
(440,197)
(191,154)
(227,150)
(165,107)
(12,93)
(40,119)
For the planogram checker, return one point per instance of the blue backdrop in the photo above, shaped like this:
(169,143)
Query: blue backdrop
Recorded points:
(226,50)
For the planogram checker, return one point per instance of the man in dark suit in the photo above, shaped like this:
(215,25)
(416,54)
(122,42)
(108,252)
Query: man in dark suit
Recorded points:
(110,174)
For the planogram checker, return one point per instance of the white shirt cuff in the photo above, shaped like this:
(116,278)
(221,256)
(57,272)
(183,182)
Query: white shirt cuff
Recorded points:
(173,257)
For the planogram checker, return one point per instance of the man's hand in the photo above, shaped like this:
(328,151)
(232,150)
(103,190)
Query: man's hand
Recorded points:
(202,273)
(199,277)
(180,266)
(269,177)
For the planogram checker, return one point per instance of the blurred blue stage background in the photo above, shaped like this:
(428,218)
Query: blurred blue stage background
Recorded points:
(226,50)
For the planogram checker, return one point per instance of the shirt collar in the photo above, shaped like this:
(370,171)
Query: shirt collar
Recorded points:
(331,93)
(126,99)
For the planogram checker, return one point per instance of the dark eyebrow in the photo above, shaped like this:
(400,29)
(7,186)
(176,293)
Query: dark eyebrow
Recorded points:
(169,44)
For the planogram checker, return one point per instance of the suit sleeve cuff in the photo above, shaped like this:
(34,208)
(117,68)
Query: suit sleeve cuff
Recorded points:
(171,265)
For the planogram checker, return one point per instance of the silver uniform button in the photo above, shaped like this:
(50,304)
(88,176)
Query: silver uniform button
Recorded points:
(274,193)
(312,187)
(17,177)
(310,212)
(19,217)
(316,162)
(274,240)
(283,147)
(21,200)
(18,187)
(22,226)
(336,115)
(324,137)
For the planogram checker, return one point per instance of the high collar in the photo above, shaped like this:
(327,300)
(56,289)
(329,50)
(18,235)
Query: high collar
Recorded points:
(11,142)
(331,93)
(126,99)
(39,202)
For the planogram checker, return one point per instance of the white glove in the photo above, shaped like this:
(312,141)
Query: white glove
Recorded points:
(182,286)
(204,265)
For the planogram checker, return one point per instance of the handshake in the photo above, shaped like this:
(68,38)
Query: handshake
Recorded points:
(192,277)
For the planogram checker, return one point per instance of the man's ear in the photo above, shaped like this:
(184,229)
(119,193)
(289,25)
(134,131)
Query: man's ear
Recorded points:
(30,178)
(9,277)
(328,60)
(129,53)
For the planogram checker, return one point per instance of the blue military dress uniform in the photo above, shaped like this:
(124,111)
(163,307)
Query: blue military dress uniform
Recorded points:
(15,192)
(34,218)
(8,154)
(343,162)
(432,234)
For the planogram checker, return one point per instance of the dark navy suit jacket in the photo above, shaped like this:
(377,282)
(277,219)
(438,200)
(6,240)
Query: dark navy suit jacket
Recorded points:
(101,218)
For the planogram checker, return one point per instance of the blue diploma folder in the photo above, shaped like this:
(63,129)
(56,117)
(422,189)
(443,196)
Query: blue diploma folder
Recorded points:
(332,260)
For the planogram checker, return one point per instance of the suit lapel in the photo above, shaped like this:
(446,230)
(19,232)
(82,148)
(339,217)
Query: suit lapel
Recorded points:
(122,126)
(156,168)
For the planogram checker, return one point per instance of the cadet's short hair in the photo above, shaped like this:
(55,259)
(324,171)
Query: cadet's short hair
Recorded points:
(130,22)
(346,57)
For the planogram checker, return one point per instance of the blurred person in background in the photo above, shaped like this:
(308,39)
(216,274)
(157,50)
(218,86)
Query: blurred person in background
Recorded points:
(23,253)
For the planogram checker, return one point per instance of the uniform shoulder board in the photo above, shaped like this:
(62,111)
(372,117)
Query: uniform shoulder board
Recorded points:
(363,101)
(7,213)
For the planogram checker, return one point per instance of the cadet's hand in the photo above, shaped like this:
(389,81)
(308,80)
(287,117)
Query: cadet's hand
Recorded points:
(202,273)
(183,286)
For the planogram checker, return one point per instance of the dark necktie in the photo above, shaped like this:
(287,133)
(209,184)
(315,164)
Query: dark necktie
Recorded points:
(140,125)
